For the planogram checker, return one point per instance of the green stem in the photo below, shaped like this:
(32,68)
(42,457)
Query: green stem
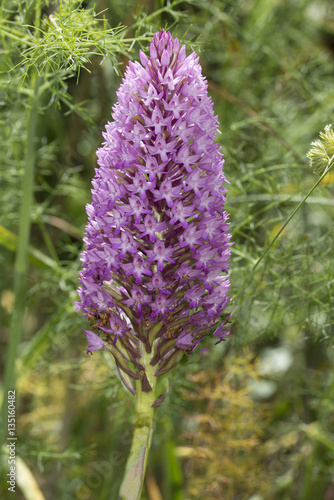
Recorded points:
(48,241)
(20,267)
(136,465)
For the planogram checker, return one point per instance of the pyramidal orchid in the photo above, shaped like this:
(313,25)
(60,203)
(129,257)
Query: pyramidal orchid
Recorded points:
(154,270)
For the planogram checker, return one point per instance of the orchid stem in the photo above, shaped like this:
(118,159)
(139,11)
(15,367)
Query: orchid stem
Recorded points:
(136,465)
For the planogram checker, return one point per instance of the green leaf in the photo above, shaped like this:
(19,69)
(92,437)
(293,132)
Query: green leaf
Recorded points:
(9,241)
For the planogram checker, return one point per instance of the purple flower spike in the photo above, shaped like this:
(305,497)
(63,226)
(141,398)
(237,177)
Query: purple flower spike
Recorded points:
(157,244)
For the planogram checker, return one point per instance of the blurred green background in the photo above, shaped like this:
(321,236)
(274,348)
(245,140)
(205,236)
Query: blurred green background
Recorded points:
(254,419)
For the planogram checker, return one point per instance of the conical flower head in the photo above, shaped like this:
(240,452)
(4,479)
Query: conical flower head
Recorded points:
(154,270)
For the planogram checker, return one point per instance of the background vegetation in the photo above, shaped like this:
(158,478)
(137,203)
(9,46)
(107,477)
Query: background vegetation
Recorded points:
(251,419)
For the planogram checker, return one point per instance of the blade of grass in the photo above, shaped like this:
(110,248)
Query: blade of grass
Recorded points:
(10,241)
(38,343)
(25,479)
(20,267)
